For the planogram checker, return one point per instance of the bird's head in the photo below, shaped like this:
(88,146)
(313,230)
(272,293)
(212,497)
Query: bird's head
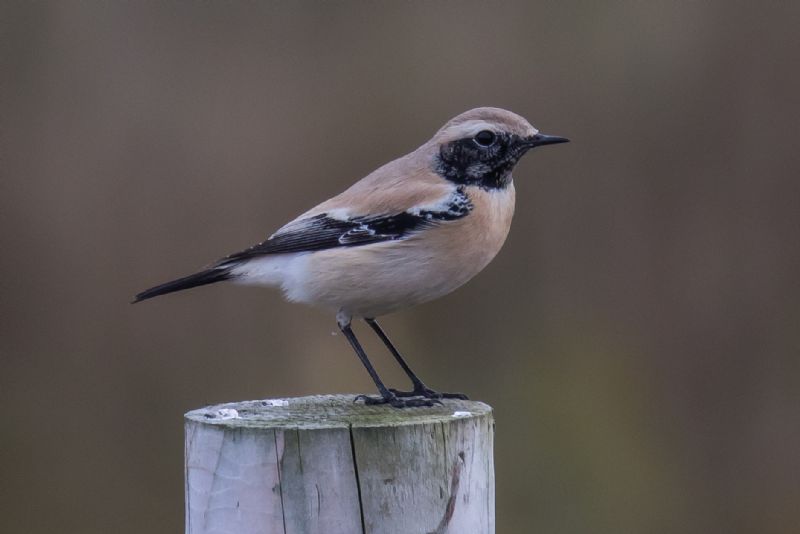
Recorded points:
(481,146)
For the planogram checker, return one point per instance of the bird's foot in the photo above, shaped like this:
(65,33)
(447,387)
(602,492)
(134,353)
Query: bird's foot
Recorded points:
(427,393)
(396,402)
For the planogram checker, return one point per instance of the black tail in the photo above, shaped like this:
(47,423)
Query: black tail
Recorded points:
(193,280)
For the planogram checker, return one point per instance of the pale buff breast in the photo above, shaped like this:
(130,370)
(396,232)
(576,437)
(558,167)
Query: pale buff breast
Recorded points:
(373,280)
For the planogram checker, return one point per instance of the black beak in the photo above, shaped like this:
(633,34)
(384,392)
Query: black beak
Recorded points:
(542,139)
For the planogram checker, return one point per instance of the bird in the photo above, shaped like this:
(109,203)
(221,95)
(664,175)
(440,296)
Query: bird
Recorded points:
(413,230)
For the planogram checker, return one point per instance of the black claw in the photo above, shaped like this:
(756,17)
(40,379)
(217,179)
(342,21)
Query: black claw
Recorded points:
(459,396)
(414,402)
(428,394)
(395,402)
(370,401)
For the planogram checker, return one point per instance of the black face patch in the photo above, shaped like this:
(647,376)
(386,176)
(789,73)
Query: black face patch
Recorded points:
(467,162)
(323,231)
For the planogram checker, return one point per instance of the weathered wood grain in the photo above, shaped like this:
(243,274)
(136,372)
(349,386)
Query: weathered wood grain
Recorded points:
(327,465)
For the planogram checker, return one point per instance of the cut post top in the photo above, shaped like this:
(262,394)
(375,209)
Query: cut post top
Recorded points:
(330,411)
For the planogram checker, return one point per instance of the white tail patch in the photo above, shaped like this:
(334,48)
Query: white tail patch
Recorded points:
(271,270)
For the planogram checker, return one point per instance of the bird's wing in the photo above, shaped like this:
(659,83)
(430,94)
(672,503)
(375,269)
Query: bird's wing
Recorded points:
(338,224)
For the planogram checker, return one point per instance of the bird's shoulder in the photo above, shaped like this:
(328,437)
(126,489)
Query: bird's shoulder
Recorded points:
(397,186)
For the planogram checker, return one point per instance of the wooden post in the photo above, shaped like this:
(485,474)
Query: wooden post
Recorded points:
(328,465)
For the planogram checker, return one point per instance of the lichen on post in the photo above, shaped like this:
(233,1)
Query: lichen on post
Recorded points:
(325,464)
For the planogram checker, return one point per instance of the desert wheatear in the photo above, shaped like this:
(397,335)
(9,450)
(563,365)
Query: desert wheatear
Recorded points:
(411,231)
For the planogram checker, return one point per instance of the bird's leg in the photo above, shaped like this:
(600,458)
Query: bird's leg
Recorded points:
(420,389)
(387,397)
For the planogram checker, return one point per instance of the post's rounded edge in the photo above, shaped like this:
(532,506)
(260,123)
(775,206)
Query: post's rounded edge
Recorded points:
(329,411)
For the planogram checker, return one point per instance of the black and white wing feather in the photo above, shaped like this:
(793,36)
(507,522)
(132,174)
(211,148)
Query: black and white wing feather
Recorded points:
(330,230)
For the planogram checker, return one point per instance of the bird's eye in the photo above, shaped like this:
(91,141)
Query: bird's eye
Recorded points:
(485,138)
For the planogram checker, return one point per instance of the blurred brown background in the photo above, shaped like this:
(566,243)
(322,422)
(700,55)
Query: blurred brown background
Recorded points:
(637,336)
